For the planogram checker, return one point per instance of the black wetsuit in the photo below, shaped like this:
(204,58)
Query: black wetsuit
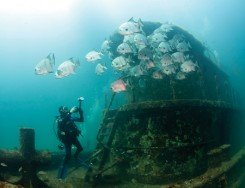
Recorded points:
(68,134)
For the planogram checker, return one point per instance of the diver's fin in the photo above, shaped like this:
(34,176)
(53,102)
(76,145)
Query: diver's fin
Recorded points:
(62,172)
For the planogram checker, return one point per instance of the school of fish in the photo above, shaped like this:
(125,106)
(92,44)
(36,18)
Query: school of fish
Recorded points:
(156,55)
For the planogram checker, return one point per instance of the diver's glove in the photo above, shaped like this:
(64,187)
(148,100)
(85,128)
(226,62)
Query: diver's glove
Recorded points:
(74,109)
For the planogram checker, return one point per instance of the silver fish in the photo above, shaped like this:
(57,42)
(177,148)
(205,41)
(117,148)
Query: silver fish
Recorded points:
(130,27)
(164,47)
(168,70)
(140,41)
(188,66)
(93,56)
(176,40)
(157,75)
(158,37)
(166,27)
(149,64)
(124,48)
(145,54)
(129,38)
(136,71)
(157,56)
(178,57)
(67,68)
(166,60)
(46,65)
(120,63)
(100,69)
(183,46)
(153,44)
(180,76)
(105,47)
(158,30)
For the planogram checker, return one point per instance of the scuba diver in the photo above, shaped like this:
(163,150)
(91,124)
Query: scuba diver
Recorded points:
(68,134)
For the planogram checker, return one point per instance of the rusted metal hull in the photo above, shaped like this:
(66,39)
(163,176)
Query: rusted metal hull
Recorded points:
(162,142)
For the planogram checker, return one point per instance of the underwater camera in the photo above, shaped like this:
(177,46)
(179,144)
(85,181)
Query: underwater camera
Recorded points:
(80,99)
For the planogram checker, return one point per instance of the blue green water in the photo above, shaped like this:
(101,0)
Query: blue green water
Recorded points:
(29,32)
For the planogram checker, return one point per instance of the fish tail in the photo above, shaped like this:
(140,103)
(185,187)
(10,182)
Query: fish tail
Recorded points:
(78,63)
(51,57)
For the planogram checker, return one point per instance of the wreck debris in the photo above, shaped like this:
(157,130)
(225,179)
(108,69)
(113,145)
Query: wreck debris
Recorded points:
(27,159)
(9,185)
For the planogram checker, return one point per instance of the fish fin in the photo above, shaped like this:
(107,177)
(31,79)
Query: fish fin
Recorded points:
(131,19)
(51,58)
(62,172)
(54,59)
(142,32)
(140,23)
(127,42)
(109,41)
(76,61)
(104,67)
(101,53)
(51,55)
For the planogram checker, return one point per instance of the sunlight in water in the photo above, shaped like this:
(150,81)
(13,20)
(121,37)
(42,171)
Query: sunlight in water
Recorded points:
(37,6)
